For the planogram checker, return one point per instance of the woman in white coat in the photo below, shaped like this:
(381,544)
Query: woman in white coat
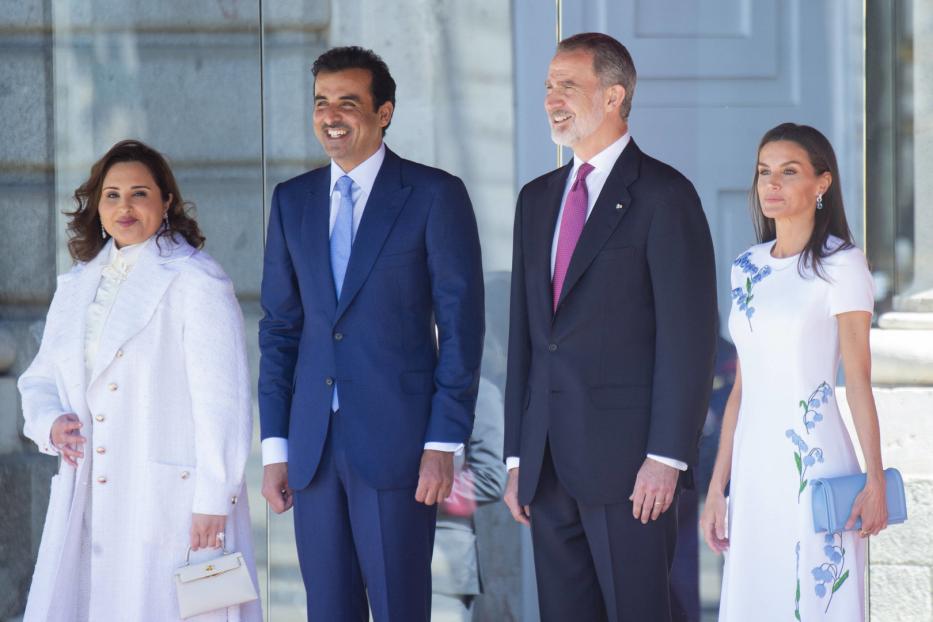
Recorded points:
(141,387)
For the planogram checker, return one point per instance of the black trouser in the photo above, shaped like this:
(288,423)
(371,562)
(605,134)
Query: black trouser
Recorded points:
(597,562)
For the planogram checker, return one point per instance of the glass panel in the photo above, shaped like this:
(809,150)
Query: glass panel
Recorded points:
(180,76)
(294,34)
(452,65)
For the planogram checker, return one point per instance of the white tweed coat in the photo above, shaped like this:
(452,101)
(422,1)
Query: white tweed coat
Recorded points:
(167,409)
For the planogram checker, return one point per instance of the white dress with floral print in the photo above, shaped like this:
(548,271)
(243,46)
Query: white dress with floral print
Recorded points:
(789,432)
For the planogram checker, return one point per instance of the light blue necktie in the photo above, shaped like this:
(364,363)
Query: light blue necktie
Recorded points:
(341,238)
(341,241)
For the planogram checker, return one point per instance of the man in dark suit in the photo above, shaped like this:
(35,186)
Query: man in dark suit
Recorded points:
(611,344)
(371,342)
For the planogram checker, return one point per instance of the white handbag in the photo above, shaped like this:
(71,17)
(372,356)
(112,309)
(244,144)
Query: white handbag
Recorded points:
(213,584)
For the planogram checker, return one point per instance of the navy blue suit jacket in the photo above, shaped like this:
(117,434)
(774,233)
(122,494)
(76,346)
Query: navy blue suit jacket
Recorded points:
(624,367)
(415,263)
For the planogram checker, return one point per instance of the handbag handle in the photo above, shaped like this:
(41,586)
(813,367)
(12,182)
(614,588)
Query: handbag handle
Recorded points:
(188,553)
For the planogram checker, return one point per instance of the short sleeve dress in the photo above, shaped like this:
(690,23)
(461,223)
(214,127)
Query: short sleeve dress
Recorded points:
(789,432)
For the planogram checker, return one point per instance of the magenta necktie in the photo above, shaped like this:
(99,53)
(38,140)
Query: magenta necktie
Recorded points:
(571,225)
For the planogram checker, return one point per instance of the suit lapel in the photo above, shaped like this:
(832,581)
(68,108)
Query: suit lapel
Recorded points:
(382,210)
(543,228)
(606,216)
(315,237)
(138,298)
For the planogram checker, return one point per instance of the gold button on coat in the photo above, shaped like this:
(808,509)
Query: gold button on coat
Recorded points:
(112,386)
(101,480)
(99,418)
(119,354)
(185,474)
(101,450)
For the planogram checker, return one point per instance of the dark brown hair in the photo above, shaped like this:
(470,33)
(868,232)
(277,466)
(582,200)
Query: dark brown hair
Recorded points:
(831,220)
(84,226)
(612,63)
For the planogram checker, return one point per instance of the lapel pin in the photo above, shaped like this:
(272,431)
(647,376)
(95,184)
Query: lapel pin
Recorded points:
(620,206)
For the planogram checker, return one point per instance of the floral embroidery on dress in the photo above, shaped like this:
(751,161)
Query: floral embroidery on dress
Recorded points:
(804,458)
(743,296)
(797,594)
(819,397)
(832,572)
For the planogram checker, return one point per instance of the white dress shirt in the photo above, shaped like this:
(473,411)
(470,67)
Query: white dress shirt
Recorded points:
(275,449)
(602,164)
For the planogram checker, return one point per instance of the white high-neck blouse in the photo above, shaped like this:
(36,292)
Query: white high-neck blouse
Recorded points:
(115,272)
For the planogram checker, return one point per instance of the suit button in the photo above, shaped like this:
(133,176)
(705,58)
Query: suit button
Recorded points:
(329,381)
(101,450)
(101,480)
(185,474)
(99,418)
(552,347)
(119,354)
(338,336)
(112,386)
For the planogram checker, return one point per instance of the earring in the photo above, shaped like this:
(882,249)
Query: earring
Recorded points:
(165,219)
(103,232)
(819,201)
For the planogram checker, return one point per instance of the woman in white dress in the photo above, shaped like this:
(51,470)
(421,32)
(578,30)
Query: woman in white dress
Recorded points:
(141,386)
(802,300)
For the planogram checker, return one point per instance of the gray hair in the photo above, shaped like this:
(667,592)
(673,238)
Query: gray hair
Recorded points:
(612,63)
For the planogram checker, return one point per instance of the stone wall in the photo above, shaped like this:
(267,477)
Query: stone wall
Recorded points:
(901,557)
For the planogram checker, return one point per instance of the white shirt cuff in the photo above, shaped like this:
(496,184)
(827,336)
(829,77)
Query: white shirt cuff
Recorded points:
(274,449)
(454,448)
(677,464)
(511,463)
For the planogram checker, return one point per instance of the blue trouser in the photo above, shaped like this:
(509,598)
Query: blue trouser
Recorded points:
(355,541)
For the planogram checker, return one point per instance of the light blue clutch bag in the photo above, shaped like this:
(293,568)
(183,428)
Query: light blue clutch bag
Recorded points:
(833,498)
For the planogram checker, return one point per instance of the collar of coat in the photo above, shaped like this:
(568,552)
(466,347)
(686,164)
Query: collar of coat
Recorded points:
(135,304)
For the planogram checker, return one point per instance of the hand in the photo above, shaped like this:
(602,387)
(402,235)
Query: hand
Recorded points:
(66,439)
(871,505)
(435,477)
(713,522)
(207,531)
(520,513)
(275,487)
(654,490)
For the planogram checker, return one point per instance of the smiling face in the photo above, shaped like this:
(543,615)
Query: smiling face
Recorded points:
(582,113)
(346,122)
(787,184)
(131,205)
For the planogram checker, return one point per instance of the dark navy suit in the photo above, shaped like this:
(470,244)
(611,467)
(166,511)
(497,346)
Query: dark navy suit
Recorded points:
(415,264)
(621,369)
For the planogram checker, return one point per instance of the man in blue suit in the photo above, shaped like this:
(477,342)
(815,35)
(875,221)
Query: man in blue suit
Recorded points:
(371,342)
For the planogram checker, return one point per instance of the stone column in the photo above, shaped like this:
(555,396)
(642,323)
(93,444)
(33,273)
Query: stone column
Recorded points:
(903,347)
(901,578)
